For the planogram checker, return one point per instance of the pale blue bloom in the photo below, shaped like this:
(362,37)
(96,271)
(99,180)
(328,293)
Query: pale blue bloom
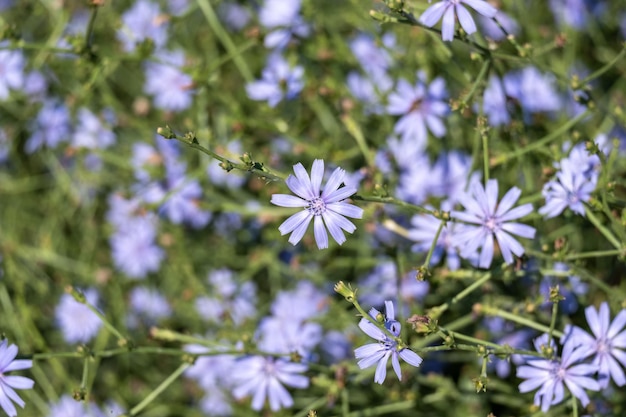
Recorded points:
(278,81)
(134,249)
(283,18)
(384,282)
(606,344)
(450,10)
(378,353)
(69,407)
(423,231)
(141,22)
(570,190)
(551,376)
(327,206)
(280,335)
(535,92)
(218,176)
(493,31)
(421,107)
(9,383)
(263,377)
(11,72)
(51,127)
(92,132)
(171,87)
(228,298)
(488,219)
(148,305)
(234,16)
(77,322)
(5,146)
(495,102)
(374,60)
(303,303)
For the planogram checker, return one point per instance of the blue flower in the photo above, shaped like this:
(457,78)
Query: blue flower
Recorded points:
(284,20)
(134,250)
(141,22)
(425,227)
(535,92)
(278,81)
(495,102)
(147,305)
(489,219)
(8,383)
(549,375)
(172,88)
(91,132)
(263,377)
(452,9)
(421,106)
(69,407)
(379,353)
(327,207)
(11,72)
(51,127)
(607,343)
(569,190)
(77,322)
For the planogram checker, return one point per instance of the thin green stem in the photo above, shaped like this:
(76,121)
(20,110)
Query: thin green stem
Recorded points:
(433,245)
(90,26)
(317,403)
(493,311)
(85,377)
(484,70)
(439,310)
(81,299)
(605,68)
(394,201)
(384,409)
(555,311)
(485,141)
(574,406)
(606,232)
(355,131)
(158,390)
(594,254)
(541,143)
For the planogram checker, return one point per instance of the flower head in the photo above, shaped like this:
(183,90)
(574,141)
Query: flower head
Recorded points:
(487,219)
(450,10)
(379,353)
(607,343)
(549,375)
(279,80)
(327,206)
(10,382)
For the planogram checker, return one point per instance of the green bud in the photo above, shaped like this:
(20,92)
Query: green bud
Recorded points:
(166,132)
(346,291)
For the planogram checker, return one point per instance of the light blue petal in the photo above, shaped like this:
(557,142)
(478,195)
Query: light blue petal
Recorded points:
(410,357)
(288,200)
(321,237)
(346,209)
(317,175)
(294,221)
(465,19)
(333,183)
(433,14)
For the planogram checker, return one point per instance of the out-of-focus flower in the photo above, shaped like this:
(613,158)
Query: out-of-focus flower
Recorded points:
(172,89)
(51,127)
(218,176)
(141,22)
(569,190)
(11,72)
(234,15)
(263,378)
(278,81)
(535,92)
(284,20)
(450,11)
(77,322)
(421,108)
(487,219)
(134,249)
(606,344)
(495,103)
(384,282)
(327,207)
(378,353)
(92,132)
(493,31)
(228,298)
(148,305)
(423,231)
(551,376)
(9,383)
(69,407)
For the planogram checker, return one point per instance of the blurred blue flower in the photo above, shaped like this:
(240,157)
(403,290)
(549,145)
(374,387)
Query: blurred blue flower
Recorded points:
(218,176)
(6,4)
(281,335)
(421,106)
(77,322)
(36,86)
(51,127)
(606,344)
(573,13)
(229,298)
(234,16)
(263,378)
(11,72)
(278,81)
(569,190)
(147,305)
(177,7)
(493,31)
(495,103)
(172,89)
(489,219)
(69,407)
(549,375)
(450,10)
(449,176)
(9,383)
(327,207)
(569,288)
(92,132)
(300,304)
(336,346)
(141,22)
(133,247)
(423,231)
(384,282)
(374,60)
(369,91)
(212,372)
(378,353)
(283,18)
(504,334)
(535,92)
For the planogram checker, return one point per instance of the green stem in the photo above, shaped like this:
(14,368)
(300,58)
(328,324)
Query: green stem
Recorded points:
(433,245)
(437,311)
(85,377)
(158,390)
(606,232)
(81,299)
(555,311)
(541,142)
(605,68)
(90,26)
(228,43)
(594,254)
(384,409)
(492,311)
(394,201)
(485,141)
(355,131)
(484,70)
(574,406)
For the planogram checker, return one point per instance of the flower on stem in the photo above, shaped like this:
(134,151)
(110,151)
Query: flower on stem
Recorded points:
(279,80)
(570,189)
(327,207)
(450,10)
(549,375)
(606,344)
(10,382)
(379,353)
(490,218)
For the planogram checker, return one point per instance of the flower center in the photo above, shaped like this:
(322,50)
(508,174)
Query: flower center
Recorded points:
(603,346)
(316,206)
(492,224)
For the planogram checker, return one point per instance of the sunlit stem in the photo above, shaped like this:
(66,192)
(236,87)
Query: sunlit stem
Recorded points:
(158,390)
(492,311)
(606,232)
(438,311)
